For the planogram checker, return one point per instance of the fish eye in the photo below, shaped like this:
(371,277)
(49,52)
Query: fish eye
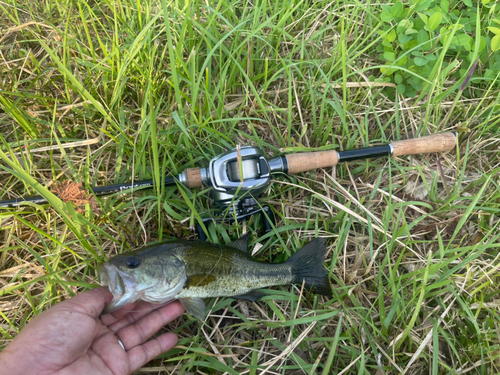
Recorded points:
(133,262)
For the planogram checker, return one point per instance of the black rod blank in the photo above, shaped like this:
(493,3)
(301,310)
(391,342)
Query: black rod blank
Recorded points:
(98,191)
(365,153)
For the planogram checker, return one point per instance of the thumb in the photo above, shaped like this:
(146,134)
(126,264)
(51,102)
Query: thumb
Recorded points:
(90,303)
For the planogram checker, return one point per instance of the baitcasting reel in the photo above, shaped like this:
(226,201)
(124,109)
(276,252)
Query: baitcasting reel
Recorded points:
(238,177)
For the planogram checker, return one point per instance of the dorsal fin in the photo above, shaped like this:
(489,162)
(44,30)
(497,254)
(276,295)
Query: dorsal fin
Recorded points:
(241,243)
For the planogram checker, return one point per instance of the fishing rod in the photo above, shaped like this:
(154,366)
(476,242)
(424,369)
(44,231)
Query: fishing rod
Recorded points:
(241,175)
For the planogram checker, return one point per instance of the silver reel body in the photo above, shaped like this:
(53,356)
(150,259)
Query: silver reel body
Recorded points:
(240,176)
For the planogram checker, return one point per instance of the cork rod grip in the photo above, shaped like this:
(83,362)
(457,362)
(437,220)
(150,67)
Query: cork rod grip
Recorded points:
(431,143)
(311,160)
(193,178)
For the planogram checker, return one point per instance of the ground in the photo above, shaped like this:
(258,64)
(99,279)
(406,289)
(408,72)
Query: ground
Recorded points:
(101,92)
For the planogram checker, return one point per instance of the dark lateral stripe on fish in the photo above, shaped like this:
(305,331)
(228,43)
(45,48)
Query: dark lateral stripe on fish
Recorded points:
(199,280)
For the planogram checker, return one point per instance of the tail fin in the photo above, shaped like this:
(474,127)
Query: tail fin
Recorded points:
(308,265)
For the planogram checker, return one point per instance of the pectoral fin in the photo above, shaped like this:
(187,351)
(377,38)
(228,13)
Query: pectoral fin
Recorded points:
(194,306)
(251,296)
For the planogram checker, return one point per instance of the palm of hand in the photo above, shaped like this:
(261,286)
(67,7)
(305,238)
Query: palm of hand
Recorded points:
(70,338)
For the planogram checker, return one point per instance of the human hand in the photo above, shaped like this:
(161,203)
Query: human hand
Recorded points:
(71,338)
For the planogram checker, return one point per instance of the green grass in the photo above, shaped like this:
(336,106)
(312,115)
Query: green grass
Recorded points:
(161,86)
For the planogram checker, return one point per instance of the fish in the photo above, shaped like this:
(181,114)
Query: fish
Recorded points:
(191,270)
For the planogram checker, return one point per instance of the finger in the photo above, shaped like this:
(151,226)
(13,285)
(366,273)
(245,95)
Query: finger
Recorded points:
(115,316)
(91,302)
(137,333)
(128,314)
(142,354)
(107,347)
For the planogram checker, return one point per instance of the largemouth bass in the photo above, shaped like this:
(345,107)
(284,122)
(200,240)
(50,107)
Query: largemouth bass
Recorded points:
(192,270)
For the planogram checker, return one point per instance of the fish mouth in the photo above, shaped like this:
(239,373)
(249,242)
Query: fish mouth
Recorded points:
(117,283)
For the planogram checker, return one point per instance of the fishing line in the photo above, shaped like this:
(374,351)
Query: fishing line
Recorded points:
(215,265)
